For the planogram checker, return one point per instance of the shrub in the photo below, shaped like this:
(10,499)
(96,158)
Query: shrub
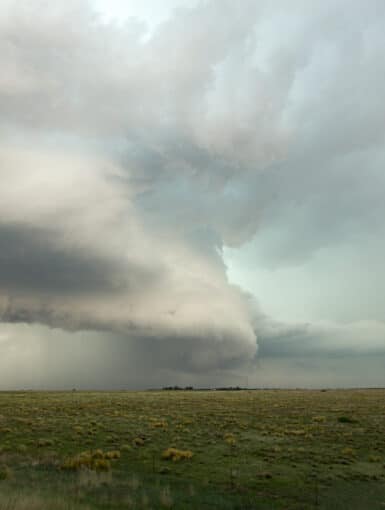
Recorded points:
(346,419)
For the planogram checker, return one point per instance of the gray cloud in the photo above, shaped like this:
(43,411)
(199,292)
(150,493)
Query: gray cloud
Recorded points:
(77,255)
(131,160)
(321,354)
(282,339)
(31,259)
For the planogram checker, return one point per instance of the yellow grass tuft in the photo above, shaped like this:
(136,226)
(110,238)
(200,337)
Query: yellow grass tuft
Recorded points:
(96,461)
(319,419)
(230,439)
(113,454)
(175,455)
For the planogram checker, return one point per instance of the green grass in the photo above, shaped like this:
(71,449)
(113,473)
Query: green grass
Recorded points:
(250,450)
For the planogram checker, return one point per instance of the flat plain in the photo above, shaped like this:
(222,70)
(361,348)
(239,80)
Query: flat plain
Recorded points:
(249,449)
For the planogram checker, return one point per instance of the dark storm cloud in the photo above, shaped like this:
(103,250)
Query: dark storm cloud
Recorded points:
(30,259)
(129,160)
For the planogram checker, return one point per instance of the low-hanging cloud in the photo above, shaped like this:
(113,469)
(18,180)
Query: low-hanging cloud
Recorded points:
(76,255)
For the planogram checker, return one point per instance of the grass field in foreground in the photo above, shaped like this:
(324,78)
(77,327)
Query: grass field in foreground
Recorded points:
(193,450)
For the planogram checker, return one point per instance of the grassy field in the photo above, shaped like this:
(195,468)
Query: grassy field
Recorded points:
(193,450)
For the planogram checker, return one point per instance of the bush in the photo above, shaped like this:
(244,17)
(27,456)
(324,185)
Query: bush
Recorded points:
(346,419)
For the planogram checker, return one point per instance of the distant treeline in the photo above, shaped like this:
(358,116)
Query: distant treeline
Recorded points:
(178,388)
(191,388)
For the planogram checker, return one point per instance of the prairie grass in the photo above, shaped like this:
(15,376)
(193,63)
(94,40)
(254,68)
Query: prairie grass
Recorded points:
(267,450)
(33,502)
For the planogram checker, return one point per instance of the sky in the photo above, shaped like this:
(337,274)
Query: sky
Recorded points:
(192,192)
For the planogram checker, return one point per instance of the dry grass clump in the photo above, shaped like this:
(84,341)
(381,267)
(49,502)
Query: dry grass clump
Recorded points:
(319,419)
(94,461)
(230,439)
(297,432)
(97,454)
(175,455)
(44,442)
(5,473)
(113,455)
(159,424)
(348,452)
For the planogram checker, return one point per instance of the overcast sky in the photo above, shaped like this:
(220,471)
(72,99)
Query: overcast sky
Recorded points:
(192,192)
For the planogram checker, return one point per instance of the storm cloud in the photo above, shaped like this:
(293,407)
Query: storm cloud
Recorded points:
(169,190)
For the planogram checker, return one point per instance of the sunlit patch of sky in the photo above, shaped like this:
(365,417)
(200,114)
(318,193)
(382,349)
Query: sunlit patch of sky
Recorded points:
(152,13)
